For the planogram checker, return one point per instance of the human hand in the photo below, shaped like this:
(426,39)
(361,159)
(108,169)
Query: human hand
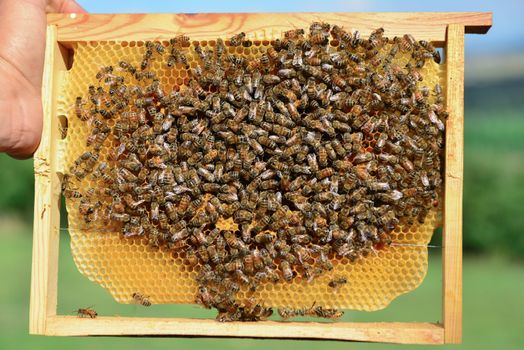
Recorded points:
(22,46)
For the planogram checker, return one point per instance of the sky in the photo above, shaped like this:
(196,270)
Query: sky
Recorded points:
(506,36)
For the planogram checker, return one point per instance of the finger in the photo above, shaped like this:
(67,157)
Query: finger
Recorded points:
(64,6)
(23,119)
(23,154)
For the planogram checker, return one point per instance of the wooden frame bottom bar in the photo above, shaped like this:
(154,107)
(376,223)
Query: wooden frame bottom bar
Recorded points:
(387,332)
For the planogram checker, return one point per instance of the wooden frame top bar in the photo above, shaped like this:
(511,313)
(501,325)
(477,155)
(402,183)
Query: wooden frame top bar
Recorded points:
(120,27)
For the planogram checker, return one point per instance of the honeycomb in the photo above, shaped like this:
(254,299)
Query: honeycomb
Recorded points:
(124,267)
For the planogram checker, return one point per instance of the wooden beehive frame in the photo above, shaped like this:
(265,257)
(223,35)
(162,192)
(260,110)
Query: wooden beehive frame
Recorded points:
(443,29)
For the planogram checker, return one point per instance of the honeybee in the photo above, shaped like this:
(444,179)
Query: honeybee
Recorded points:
(237,39)
(340,34)
(429,47)
(322,156)
(180,40)
(141,299)
(363,157)
(241,277)
(104,72)
(87,312)
(294,33)
(322,312)
(204,297)
(319,39)
(406,43)
(191,256)
(79,109)
(286,313)
(287,273)
(337,282)
(128,67)
(272,53)
(263,238)
(121,217)
(69,193)
(234,242)
(324,173)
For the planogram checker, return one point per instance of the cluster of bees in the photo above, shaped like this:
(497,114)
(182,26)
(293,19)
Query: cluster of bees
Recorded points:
(316,149)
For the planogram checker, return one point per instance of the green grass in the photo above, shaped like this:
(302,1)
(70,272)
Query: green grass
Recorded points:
(493,306)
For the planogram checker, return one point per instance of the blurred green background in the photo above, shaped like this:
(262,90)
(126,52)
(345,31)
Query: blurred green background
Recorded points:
(493,206)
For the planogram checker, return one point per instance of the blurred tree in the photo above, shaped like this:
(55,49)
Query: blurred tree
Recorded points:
(17,186)
(494,168)
(493,198)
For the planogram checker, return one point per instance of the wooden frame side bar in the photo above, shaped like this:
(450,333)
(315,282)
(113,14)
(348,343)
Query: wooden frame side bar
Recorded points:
(427,25)
(452,235)
(391,332)
(46,226)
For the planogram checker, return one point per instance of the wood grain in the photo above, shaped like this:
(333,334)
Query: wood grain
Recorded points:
(47,202)
(452,236)
(425,25)
(404,333)
(42,213)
